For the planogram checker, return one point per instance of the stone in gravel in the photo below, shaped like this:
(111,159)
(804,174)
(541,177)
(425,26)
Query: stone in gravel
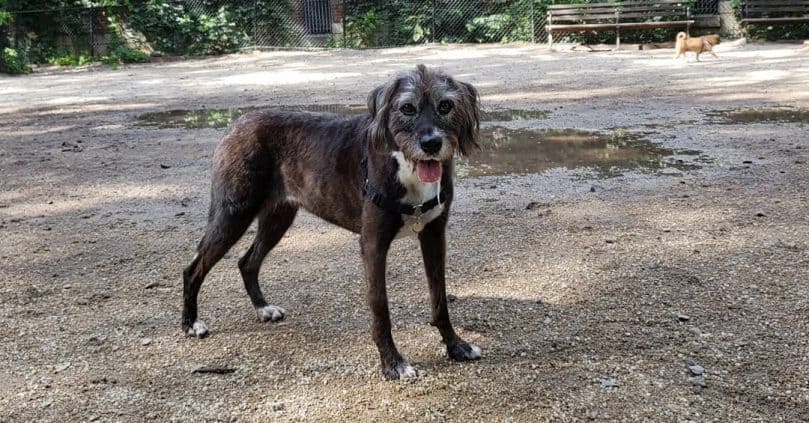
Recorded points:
(609,383)
(451,298)
(682,317)
(277,406)
(165,166)
(153,284)
(695,330)
(761,214)
(215,369)
(547,321)
(696,369)
(145,341)
(179,214)
(611,240)
(699,381)
(61,367)
(68,146)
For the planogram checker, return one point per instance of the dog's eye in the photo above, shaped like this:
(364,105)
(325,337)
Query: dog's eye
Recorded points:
(408,109)
(444,107)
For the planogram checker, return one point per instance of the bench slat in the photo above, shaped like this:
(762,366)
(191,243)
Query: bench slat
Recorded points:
(774,2)
(798,19)
(799,9)
(580,6)
(661,24)
(578,18)
(652,3)
(579,27)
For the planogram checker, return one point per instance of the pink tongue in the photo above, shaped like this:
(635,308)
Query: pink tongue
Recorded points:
(428,170)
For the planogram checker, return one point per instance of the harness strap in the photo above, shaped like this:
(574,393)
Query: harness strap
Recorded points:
(392,206)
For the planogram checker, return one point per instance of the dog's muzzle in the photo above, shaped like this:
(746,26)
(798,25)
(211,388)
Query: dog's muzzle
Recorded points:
(431,144)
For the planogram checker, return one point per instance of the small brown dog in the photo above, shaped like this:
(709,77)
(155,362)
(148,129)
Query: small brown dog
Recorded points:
(698,45)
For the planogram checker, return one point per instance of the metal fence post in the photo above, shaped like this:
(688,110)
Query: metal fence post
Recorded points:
(533,23)
(255,23)
(432,35)
(345,29)
(92,32)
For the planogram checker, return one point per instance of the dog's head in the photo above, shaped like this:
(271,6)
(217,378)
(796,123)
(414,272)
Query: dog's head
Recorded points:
(425,114)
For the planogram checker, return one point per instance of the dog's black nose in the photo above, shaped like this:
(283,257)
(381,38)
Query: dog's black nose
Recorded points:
(431,144)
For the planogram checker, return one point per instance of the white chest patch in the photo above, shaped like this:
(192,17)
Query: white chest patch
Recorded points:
(417,193)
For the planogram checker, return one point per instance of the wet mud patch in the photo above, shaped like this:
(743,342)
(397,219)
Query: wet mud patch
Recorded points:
(221,118)
(760,115)
(507,151)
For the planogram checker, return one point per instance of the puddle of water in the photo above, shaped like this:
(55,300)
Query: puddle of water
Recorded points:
(522,151)
(507,115)
(504,151)
(220,118)
(761,115)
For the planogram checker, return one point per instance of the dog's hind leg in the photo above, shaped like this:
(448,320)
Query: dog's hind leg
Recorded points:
(273,222)
(226,224)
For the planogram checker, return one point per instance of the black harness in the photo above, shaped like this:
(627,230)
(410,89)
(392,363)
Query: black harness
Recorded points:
(393,206)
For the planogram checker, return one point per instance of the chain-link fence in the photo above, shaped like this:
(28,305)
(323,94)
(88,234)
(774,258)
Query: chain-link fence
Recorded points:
(192,27)
(198,27)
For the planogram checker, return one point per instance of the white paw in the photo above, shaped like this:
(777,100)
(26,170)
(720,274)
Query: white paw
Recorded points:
(476,352)
(198,329)
(270,313)
(406,371)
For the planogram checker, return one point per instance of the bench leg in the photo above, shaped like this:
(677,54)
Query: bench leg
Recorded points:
(617,39)
(550,40)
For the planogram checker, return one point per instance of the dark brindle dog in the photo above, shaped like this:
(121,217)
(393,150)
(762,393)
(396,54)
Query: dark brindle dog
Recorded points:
(382,175)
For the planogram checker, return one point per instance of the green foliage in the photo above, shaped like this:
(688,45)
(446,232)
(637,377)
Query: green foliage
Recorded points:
(123,54)
(12,63)
(212,27)
(70,60)
(363,31)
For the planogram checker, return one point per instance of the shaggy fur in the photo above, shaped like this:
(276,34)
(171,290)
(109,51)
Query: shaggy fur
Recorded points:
(697,45)
(270,164)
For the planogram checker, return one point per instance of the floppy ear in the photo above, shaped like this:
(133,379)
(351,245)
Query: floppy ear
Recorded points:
(379,108)
(375,100)
(469,118)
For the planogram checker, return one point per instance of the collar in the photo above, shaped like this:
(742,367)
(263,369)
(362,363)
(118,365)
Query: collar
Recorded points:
(393,206)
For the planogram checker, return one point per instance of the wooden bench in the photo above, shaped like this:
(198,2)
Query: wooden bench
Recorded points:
(774,12)
(618,15)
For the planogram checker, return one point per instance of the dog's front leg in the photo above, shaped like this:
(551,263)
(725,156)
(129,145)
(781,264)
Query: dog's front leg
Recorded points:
(377,234)
(433,250)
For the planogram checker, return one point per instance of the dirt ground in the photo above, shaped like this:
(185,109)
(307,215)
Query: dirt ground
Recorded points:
(590,304)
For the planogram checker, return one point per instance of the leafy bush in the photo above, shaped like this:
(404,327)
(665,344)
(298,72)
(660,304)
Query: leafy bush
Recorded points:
(123,54)
(362,32)
(70,60)
(12,63)
(498,27)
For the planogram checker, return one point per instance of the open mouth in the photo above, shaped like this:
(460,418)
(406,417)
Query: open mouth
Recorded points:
(428,171)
